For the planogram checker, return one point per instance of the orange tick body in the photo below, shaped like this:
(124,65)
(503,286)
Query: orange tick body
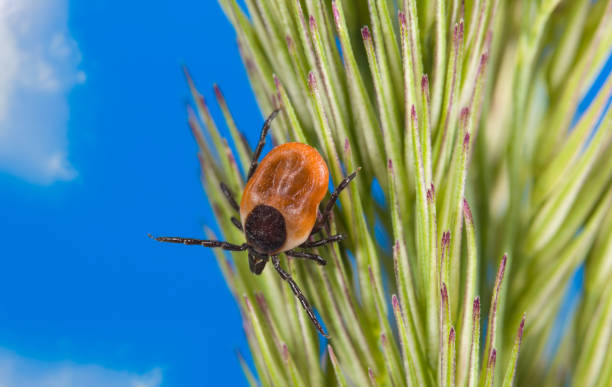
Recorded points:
(279,209)
(288,185)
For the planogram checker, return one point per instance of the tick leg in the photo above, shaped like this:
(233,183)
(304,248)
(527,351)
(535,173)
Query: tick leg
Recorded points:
(202,242)
(232,202)
(229,196)
(299,254)
(261,143)
(322,242)
(298,293)
(236,223)
(319,225)
(332,201)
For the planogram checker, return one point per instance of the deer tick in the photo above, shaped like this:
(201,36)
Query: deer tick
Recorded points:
(278,210)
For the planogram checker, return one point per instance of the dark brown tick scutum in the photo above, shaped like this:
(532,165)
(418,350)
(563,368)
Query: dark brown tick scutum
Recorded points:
(265,229)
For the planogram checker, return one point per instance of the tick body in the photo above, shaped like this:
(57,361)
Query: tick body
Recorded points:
(279,204)
(278,210)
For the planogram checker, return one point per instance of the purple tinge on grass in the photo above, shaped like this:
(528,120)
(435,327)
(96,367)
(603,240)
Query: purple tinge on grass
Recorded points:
(475,314)
(365,33)
(494,302)
(312,81)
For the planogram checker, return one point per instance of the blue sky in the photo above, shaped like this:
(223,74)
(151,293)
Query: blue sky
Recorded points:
(97,154)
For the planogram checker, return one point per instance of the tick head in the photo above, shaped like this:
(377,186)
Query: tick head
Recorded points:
(265,229)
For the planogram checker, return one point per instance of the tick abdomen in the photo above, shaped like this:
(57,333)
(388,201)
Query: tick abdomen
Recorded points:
(292,179)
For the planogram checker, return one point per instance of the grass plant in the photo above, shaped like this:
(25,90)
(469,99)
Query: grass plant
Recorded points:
(486,185)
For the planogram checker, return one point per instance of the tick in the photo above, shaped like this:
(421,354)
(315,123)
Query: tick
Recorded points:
(278,210)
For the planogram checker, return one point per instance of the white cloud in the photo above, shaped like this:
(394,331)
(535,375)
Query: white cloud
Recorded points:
(39,65)
(19,371)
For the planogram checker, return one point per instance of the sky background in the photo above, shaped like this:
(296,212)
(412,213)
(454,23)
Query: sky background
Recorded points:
(95,153)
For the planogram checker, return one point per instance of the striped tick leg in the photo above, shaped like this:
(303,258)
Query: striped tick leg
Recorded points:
(300,254)
(298,293)
(261,143)
(232,202)
(323,242)
(332,201)
(202,242)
